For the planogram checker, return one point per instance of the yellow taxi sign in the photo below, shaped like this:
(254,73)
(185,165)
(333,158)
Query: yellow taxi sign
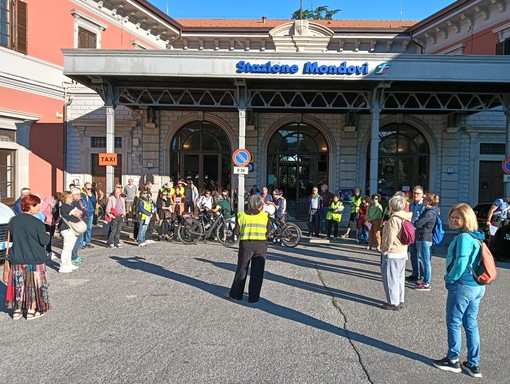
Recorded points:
(107,159)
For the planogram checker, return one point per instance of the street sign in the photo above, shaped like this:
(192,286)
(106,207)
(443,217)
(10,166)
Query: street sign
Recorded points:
(506,165)
(251,167)
(506,178)
(108,159)
(241,157)
(240,170)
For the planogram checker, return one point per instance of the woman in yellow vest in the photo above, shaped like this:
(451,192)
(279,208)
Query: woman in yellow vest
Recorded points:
(334,215)
(252,227)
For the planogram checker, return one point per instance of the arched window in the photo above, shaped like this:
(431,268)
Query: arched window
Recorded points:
(403,159)
(297,158)
(201,150)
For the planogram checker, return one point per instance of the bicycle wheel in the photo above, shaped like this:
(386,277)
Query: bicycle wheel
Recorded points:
(100,211)
(225,235)
(189,231)
(291,235)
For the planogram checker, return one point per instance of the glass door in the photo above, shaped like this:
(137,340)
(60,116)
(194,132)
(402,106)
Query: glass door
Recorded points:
(204,169)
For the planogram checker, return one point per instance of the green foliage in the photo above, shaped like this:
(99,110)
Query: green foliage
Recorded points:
(320,13)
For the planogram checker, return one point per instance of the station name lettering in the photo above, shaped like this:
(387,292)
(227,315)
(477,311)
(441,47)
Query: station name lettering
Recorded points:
(310,68)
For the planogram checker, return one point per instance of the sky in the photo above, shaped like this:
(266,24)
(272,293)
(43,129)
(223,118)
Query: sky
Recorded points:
(283,9)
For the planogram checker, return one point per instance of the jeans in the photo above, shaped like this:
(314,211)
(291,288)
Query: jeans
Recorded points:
(141,232)
(88,232)
(415,263)
(462,306)
(78,245)
(423,248)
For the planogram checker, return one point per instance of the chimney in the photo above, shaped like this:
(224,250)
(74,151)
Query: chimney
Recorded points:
(264,19)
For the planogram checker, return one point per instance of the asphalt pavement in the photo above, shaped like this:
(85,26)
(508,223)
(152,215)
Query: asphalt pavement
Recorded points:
(156,314)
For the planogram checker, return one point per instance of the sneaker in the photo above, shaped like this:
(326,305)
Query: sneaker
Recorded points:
(142,244)
(73,267)
(65,270)
(88,246)
(447,365)
(422,287)
(111,246)
(473,371)
(78,261)
(118,246)
(412,278)
(54,256)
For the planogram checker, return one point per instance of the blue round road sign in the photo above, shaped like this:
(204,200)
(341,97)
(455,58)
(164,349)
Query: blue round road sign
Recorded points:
(506,165)
(241,157)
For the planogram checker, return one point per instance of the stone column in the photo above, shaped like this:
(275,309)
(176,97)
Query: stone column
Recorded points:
(374,151)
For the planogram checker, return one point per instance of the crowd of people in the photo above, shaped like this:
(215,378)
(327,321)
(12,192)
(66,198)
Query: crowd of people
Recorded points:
(36,221)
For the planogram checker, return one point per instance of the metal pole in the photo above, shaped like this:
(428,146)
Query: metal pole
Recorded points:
(110,147)
(242,143)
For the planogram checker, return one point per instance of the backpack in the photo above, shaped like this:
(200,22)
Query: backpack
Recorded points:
(438,231)
(486,272)
(407,233)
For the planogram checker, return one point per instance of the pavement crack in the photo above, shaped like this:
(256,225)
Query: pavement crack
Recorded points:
(344,327)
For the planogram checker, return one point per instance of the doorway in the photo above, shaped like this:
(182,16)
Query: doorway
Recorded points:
(403,160)
(99,171)
(491,182)
(297,160)
(201,151)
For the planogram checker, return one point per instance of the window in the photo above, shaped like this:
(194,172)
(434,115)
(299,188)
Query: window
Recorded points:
(7,176)
(492,149)
(100,142)
(503,48)
(86,39)
(87,31)
(13,25)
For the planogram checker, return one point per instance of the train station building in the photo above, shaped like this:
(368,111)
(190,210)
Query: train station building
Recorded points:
(383,105)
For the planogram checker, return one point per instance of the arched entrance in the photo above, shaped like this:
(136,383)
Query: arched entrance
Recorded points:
(297,158)
(201,150)
(403,159)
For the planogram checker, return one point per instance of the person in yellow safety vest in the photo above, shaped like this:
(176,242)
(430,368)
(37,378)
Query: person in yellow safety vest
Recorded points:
(252,227)
(145,212)
(353,218)
(334,215)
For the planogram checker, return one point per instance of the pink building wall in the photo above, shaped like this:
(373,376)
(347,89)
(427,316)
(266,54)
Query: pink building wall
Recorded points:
(50,29)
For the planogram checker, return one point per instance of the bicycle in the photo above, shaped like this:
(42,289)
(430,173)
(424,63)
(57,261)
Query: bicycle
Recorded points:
(288,234)
(191,229)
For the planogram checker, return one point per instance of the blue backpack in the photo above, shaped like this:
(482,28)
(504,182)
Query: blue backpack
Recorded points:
(438,232)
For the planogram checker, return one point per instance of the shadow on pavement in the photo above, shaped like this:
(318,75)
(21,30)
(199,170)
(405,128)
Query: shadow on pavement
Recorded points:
(317,288)
(139,263)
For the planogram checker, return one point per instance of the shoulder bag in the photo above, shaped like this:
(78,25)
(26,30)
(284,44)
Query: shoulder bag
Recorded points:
(78,228)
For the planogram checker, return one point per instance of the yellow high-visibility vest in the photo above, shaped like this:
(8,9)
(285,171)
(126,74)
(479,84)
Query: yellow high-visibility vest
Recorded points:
(253,227)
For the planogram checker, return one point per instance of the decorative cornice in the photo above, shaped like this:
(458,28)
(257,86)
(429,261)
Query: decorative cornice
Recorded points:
(31,86)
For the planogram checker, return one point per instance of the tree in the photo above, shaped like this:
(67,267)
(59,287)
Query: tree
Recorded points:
(320,13)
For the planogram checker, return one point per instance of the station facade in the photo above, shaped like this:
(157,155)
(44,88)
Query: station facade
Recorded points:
(383,105)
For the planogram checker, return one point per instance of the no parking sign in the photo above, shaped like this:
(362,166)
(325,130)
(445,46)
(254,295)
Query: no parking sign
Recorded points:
(506,165)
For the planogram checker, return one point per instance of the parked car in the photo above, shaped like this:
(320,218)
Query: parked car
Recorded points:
(6,214)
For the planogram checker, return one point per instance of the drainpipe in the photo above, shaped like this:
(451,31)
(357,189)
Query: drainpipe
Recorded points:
(67,103)
(422,48)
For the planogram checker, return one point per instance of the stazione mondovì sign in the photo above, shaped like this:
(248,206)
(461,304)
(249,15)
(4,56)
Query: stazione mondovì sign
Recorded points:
(311,68)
